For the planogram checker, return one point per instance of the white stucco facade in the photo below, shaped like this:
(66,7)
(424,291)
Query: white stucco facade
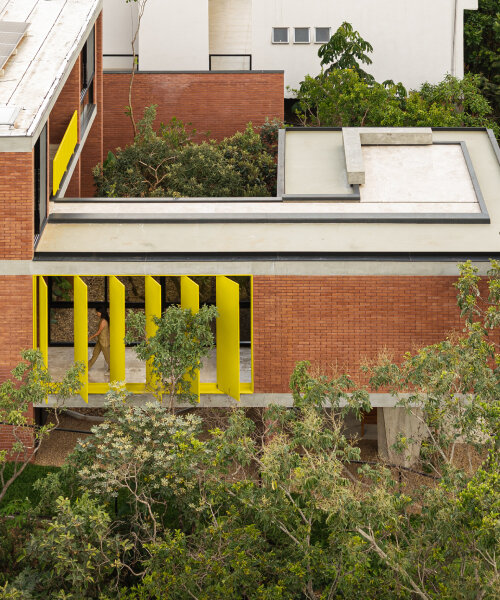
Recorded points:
(413,41)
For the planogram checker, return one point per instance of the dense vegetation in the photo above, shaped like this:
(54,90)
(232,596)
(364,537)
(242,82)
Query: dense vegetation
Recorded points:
(170,163)
(482,49)
(344,95)
(158,504)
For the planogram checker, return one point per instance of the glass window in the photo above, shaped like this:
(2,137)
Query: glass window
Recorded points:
(322,35)
(40,181)
(88,60)
(302,35)
(280,35)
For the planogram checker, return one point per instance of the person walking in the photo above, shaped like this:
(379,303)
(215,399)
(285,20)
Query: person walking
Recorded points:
(102,335)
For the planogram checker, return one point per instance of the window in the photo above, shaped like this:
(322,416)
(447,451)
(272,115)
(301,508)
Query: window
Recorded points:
(302,35)
(280,35)
(40,182)
(322,35)
(87,65)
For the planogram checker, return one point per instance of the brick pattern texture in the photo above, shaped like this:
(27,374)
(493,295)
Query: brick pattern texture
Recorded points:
(341,322)
(218,103)
(16,327)
(16,206)
(16,320)
(67,102)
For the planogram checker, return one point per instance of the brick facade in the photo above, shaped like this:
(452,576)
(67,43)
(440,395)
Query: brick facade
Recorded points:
(67,102)
(218,103)
(16,333)
(343,321)
(16,206)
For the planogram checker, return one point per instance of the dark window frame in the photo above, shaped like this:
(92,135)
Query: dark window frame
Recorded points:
(40,182)
(87,74)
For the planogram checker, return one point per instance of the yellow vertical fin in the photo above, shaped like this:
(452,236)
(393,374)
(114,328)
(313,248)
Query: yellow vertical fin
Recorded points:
(190,298)
(228,336)
(35,312)
(81,332)
(152,309)
(43,319)
(117,329)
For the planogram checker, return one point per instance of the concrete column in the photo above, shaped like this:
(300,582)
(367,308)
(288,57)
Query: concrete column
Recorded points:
(390,423)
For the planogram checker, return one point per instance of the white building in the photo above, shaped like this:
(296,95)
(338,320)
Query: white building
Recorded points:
(413,41)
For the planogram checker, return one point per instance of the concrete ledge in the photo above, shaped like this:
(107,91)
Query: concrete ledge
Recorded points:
(396,136)
(355,137)
(353,156)
(212,401)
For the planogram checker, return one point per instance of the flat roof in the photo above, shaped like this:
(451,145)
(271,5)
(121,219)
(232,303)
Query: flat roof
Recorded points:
(133,227)
(34,76)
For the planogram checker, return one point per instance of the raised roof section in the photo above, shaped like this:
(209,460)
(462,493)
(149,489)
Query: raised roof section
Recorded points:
(35,75)
(442,198)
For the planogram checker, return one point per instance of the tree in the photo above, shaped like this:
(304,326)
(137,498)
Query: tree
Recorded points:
(30,384)
(482,49)
(283,509)
(176,350)
(342,98)
(345,96)
(345,50)
(168,163)
(141,7)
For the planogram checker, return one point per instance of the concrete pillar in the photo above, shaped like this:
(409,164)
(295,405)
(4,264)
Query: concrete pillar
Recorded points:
(390,423)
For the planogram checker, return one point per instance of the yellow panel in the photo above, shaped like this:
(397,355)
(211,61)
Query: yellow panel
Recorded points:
(248,388)
(43,319)
(152,309)
(35,313)
(64,153)
(98,388)
(117,329)
(190,298)
(81,332)
(136,388)
(228,336)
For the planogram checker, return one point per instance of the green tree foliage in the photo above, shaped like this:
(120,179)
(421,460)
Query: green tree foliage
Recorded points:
(175,351)
(168,163)
(343,96)
(482,48)
(284,510)
(30,384)
(345,50)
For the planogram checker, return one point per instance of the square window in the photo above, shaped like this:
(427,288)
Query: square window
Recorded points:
(322,35)
(302,35)
(280,35)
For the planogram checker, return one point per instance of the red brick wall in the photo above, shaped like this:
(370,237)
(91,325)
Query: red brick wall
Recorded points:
(67,102)
(16,320)
(219,103)
(7,438)
(16,333)
(342,321)
(16,205)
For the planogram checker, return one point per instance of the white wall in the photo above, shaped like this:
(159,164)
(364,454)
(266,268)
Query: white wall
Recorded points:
(174,36)
(120,21)
(230,26)
(412,40)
